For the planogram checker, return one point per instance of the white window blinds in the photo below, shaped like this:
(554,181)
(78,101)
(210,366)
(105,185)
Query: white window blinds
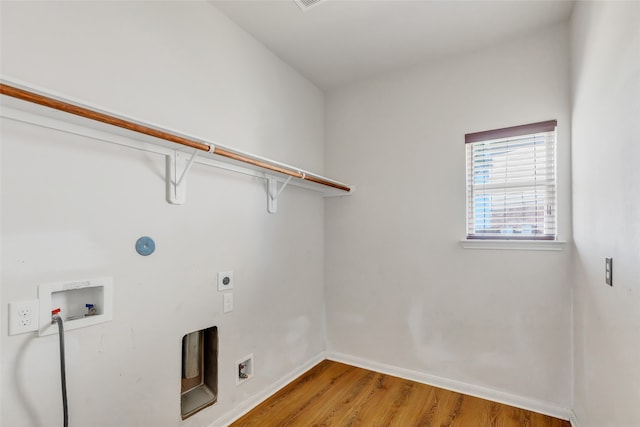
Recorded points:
(511,183)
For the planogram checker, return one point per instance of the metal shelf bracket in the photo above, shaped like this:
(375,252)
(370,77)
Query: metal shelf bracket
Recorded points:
(273,193)
(177,167)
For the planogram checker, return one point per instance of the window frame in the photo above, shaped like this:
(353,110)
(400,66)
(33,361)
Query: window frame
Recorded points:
(504,133)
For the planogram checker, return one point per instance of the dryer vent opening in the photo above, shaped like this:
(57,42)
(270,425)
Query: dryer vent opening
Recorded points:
(199,384)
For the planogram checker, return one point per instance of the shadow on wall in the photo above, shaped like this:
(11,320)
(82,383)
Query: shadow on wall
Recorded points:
(30,406)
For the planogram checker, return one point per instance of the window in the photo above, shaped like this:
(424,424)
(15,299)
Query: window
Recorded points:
(511,183)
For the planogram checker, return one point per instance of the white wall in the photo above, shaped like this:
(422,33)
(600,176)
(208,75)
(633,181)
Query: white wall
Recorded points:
(73,208)
(400,290)
(606,206)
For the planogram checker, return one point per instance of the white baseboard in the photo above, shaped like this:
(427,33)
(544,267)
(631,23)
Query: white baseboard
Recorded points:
(457,386)
(421,377)
(573,419)
(260,397)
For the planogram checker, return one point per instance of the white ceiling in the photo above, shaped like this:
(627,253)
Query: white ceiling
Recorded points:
(340,41)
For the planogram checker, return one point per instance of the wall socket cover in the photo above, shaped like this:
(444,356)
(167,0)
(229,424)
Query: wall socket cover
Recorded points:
(23,316)
(225,280)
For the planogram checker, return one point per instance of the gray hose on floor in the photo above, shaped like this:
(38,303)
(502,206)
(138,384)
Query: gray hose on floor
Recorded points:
(63,375)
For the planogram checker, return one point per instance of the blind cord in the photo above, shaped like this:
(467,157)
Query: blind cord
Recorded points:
(58,319)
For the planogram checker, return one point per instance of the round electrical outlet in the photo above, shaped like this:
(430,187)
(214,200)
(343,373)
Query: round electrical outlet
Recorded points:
(225,280)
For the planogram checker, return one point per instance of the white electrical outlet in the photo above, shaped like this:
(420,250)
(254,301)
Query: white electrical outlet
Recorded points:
(23,316)
(225,280)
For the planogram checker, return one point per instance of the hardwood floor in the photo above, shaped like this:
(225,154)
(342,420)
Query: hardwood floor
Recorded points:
(335,394)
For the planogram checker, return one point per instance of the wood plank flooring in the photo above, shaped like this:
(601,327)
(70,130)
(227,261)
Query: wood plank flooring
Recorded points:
(335,394)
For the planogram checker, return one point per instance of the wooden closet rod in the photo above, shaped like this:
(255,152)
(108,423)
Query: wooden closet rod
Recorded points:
(77,110)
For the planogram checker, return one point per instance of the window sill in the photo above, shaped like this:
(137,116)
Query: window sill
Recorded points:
(514,245)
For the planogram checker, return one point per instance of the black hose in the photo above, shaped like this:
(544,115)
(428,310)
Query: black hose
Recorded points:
(63,374)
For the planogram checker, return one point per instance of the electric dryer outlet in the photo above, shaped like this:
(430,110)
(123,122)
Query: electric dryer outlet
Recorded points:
(225,280)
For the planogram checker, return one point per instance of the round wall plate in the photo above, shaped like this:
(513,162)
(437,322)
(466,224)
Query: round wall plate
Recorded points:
(145,246)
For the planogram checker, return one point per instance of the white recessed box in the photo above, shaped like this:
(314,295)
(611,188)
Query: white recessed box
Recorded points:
(82,303)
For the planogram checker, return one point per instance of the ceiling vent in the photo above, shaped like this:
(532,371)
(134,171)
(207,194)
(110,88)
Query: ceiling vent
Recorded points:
(307,4)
